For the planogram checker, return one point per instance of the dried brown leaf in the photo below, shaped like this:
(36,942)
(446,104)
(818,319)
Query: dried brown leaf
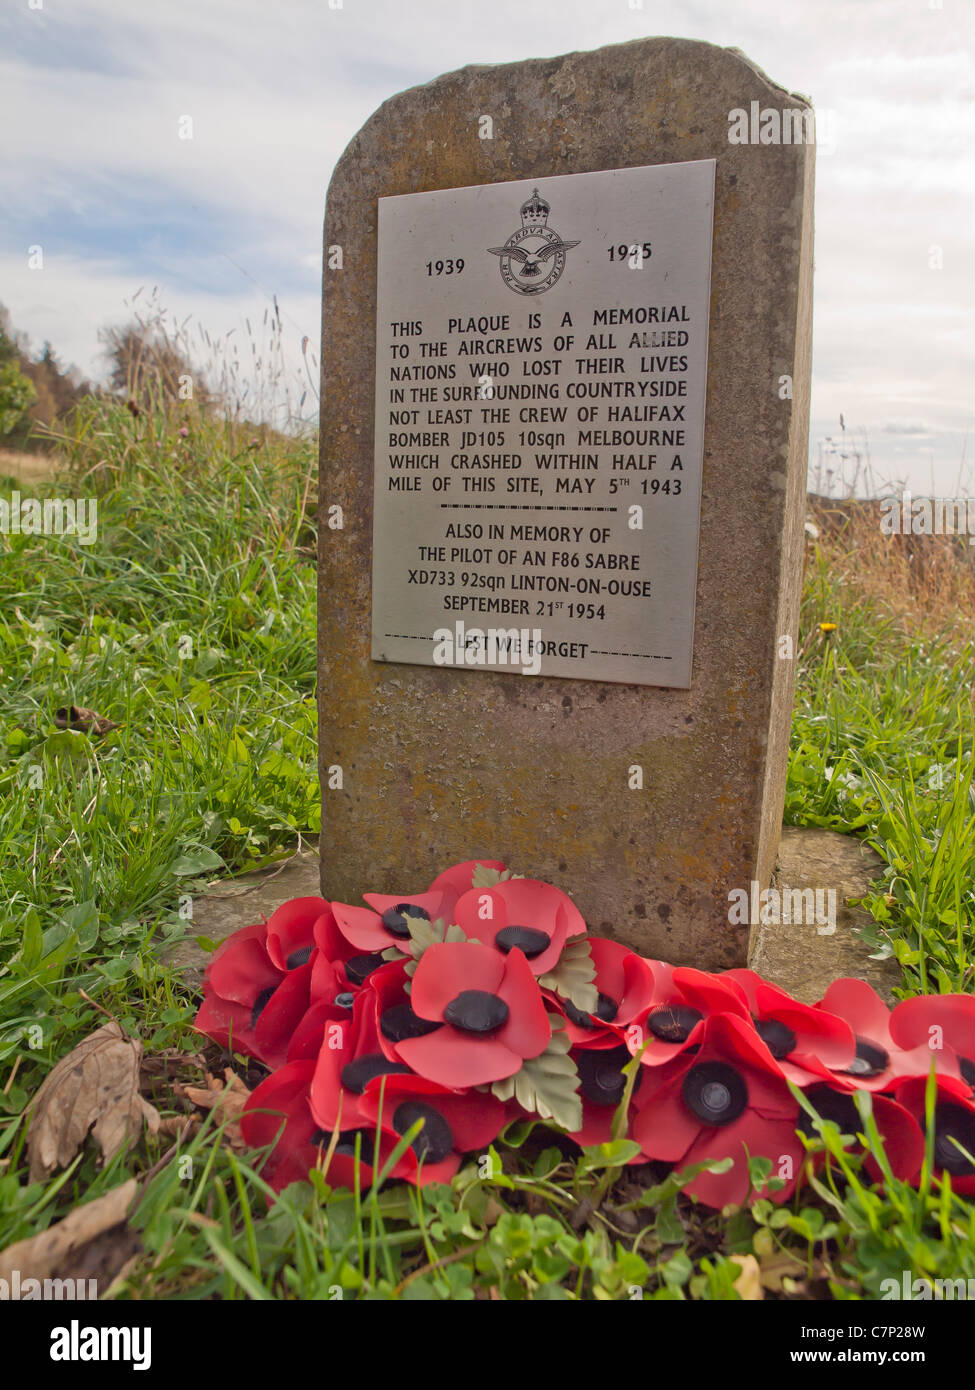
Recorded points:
(95,1087)
(225,1098)
(749,1281)
(781,1265)
(92,1242)
(83,721)
(179,1126)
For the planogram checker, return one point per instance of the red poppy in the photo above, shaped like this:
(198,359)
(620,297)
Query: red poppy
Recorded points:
(454,1123)
(383,924)
(384,1000)
(879,1063)
(348,1057)
(804,1040)
(258,984)
(282,1100)
(289,940)
(315,1028)
(521,914)
(392,1010)
(902,1139)
(456,880)
(491,1009)
(291,931)
(945,1025)
(720,1101)
(349,966)
(601,1087)
(625,986)
(278,1112)
(264,1028)
(954,1127)
(683,999)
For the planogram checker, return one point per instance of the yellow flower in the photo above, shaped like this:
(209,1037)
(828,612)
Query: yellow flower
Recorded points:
(827,627)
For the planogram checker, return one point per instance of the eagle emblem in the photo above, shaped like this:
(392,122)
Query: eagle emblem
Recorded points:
(533,257)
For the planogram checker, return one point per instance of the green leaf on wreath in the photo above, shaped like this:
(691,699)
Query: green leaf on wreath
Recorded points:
(483,877)
(547,1086)
(423,934)
(574,975)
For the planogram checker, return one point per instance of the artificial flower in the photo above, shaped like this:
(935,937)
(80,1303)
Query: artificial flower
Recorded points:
(602,1085)
(726,1099)
(459,878)
(805,1041)
(624,985)
(491,1009)
(942,1023)
(258,984)
(521,914)
(683,999)
(349,1056)
(899,1131)
(954,1127)
(879,1062)
(383,923)
(278,1113)
(454,1123)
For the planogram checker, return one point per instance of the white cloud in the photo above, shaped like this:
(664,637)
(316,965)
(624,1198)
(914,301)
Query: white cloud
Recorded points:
(95,91)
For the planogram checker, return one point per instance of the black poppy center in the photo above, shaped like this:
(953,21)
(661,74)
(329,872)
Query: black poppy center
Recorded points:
(476,1011)
(601,1078)
(967,1068)
(394,919)
(261,1003)
(777,1037)
(346,1145)
(527,939)
(830,1105)
(299,957)
(871,1059)
(606,1010)
(673,1023)
(360,967)
(435,1141)
(356,1075)
(715,1092)
(951,1123)
(401,1022)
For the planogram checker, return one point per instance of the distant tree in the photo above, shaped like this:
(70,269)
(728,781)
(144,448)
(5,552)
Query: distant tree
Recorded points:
(9,350)
(16,393)
(52,389)
(146,365)
(16,390)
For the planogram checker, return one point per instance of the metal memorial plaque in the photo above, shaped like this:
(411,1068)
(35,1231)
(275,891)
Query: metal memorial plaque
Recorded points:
(541,357)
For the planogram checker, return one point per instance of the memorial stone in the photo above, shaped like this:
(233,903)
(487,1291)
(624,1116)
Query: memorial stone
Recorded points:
(565,373)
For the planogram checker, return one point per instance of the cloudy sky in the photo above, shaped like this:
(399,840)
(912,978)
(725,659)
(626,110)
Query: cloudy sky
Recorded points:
(93,171)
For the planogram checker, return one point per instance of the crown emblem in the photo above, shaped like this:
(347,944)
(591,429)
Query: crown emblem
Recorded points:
(535,212)
(533,257)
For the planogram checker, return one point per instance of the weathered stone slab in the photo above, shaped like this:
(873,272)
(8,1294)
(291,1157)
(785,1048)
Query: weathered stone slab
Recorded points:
(231,904)
(798,956)
(439,765)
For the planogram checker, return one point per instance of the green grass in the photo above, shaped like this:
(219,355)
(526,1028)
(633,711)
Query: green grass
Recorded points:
(882,737)
(191,625)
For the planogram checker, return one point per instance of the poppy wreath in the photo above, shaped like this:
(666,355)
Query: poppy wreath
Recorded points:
(404,1034)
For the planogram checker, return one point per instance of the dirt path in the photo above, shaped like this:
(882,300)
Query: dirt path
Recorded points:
(27,468)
